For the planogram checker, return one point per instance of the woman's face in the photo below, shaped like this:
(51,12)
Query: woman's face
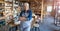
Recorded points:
(26,6)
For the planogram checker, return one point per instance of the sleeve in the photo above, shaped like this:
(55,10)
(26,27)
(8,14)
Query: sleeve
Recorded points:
(21,14)
(30,15)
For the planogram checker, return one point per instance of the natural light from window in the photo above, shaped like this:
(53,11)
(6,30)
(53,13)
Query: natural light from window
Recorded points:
(49,8)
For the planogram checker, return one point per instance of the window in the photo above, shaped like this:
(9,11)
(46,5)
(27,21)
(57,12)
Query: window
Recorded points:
(49,8)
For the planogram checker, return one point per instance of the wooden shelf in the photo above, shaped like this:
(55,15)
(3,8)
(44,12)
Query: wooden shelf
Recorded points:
(2,6)
(36,7)
(2,2)
(8,2)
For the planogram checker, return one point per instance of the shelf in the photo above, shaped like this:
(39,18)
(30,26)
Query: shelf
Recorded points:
(2,2)
(8,7)
(38,13)
(9,1)
(2,7)
(36,7)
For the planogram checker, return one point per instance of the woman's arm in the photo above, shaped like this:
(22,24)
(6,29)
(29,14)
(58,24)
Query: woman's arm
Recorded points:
(30,15)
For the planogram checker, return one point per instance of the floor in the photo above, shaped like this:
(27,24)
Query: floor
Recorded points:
(47,25)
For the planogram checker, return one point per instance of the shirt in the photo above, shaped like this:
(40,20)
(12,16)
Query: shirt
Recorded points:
(27,14)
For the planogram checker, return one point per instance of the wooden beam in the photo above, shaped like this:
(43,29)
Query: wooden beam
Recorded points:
(1,0)
(42,11)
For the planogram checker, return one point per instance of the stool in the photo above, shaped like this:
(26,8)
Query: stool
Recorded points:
(36,27)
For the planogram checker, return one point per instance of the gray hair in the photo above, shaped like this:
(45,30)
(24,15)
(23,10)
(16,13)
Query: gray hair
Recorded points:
(27,4)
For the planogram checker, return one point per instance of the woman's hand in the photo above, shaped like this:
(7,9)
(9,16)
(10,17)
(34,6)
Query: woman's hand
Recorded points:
(22,18)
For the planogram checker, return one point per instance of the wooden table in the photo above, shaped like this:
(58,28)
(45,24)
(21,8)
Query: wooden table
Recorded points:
(12,25)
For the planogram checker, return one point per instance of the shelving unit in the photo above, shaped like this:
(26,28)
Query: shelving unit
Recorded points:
(35,5)
(37,8)
(2,8)
(8,7)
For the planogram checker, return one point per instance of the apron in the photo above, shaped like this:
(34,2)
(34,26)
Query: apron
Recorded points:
(25,24)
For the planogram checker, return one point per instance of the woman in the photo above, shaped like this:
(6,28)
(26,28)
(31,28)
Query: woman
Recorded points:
(25,18)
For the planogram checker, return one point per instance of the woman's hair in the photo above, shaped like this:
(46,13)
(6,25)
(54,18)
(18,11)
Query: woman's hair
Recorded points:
(27,3)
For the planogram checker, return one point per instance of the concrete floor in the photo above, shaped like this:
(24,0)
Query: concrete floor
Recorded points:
(48,24)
